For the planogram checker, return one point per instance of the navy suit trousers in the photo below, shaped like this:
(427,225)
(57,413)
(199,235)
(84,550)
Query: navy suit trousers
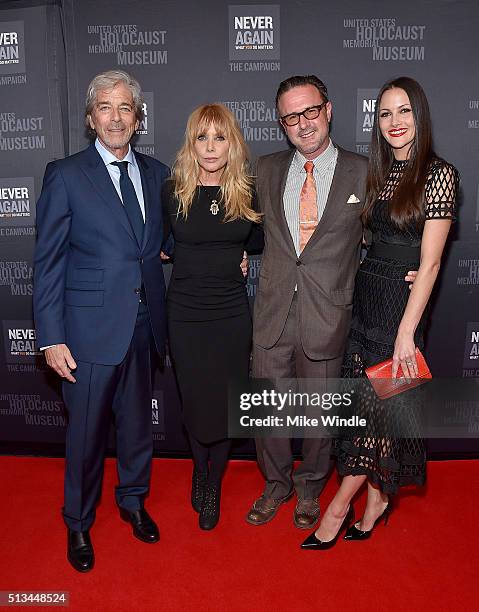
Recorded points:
(100,390)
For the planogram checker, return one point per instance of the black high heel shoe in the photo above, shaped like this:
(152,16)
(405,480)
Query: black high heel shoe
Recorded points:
(312,542)
(353,533)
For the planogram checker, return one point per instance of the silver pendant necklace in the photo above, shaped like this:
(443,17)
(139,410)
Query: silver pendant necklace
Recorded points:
(214,208)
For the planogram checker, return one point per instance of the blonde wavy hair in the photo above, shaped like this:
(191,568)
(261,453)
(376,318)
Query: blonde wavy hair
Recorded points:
(236,185)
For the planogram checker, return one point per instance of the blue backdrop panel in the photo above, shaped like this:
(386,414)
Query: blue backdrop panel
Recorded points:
(235,54)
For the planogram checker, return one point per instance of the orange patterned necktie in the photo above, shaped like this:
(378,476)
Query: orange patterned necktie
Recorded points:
(308,208)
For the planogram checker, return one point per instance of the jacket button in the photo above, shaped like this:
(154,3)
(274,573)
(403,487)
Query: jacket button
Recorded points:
(137,291)
(141,260)
(298,262)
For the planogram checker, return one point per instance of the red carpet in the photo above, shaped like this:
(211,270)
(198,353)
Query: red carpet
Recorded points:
(426,558)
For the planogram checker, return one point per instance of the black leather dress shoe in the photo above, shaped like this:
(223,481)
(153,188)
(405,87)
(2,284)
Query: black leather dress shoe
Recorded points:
(80,550)
(144,527)
(210,507)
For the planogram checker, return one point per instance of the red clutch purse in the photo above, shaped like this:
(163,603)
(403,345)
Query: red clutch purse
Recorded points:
(380,377)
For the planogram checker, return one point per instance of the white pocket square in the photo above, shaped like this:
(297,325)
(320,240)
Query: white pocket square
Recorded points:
(353,199)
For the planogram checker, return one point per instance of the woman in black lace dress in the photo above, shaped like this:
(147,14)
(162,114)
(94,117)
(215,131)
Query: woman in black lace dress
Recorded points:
(209,203)
(410,204)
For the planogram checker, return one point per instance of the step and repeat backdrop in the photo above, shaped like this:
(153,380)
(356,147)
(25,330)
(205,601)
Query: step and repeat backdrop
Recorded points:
(189,53)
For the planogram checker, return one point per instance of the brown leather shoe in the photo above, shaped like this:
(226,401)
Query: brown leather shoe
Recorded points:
(264,509)
(306,513)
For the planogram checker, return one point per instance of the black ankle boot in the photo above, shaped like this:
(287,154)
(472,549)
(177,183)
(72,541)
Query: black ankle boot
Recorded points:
(210,508)
(198,483)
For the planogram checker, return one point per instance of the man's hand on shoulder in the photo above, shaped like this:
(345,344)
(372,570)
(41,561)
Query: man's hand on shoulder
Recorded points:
(60,359)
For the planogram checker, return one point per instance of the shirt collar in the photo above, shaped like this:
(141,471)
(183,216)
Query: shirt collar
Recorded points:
(108,157)
(321,163)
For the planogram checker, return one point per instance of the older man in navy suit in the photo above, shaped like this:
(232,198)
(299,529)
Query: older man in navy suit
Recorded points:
(99,304)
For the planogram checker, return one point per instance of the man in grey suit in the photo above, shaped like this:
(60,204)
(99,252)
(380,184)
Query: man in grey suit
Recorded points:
(302,311)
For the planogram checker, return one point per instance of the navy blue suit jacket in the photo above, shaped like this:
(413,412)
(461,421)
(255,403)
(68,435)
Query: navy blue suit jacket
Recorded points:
(88,263)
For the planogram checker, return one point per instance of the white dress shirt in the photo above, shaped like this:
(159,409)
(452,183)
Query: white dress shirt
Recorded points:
(323,171)
(114,172)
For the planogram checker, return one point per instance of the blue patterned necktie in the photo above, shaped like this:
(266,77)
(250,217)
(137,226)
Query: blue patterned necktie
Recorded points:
(130,201)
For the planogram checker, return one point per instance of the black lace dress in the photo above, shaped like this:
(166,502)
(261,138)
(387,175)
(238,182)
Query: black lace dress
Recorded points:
(389,452)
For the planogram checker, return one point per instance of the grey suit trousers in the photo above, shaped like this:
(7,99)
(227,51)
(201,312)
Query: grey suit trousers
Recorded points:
(287,359)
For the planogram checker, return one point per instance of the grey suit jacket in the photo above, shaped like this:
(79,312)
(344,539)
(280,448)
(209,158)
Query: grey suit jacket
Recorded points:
(325,271)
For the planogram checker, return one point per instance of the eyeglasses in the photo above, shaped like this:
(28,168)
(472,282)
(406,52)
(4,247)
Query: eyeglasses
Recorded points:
(311,112)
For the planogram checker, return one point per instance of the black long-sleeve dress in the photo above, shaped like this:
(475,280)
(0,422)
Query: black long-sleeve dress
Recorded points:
(389,452)
(209,320)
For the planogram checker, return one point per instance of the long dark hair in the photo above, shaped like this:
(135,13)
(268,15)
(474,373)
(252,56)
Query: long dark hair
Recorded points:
(407,203)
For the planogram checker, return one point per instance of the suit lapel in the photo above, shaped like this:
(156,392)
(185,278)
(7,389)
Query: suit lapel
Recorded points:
(277,187)
(94,168)
(338,194)
(147,184)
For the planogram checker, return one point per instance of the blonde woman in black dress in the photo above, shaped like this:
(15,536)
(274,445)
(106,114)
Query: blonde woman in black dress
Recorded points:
(410,205)
(209,204)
